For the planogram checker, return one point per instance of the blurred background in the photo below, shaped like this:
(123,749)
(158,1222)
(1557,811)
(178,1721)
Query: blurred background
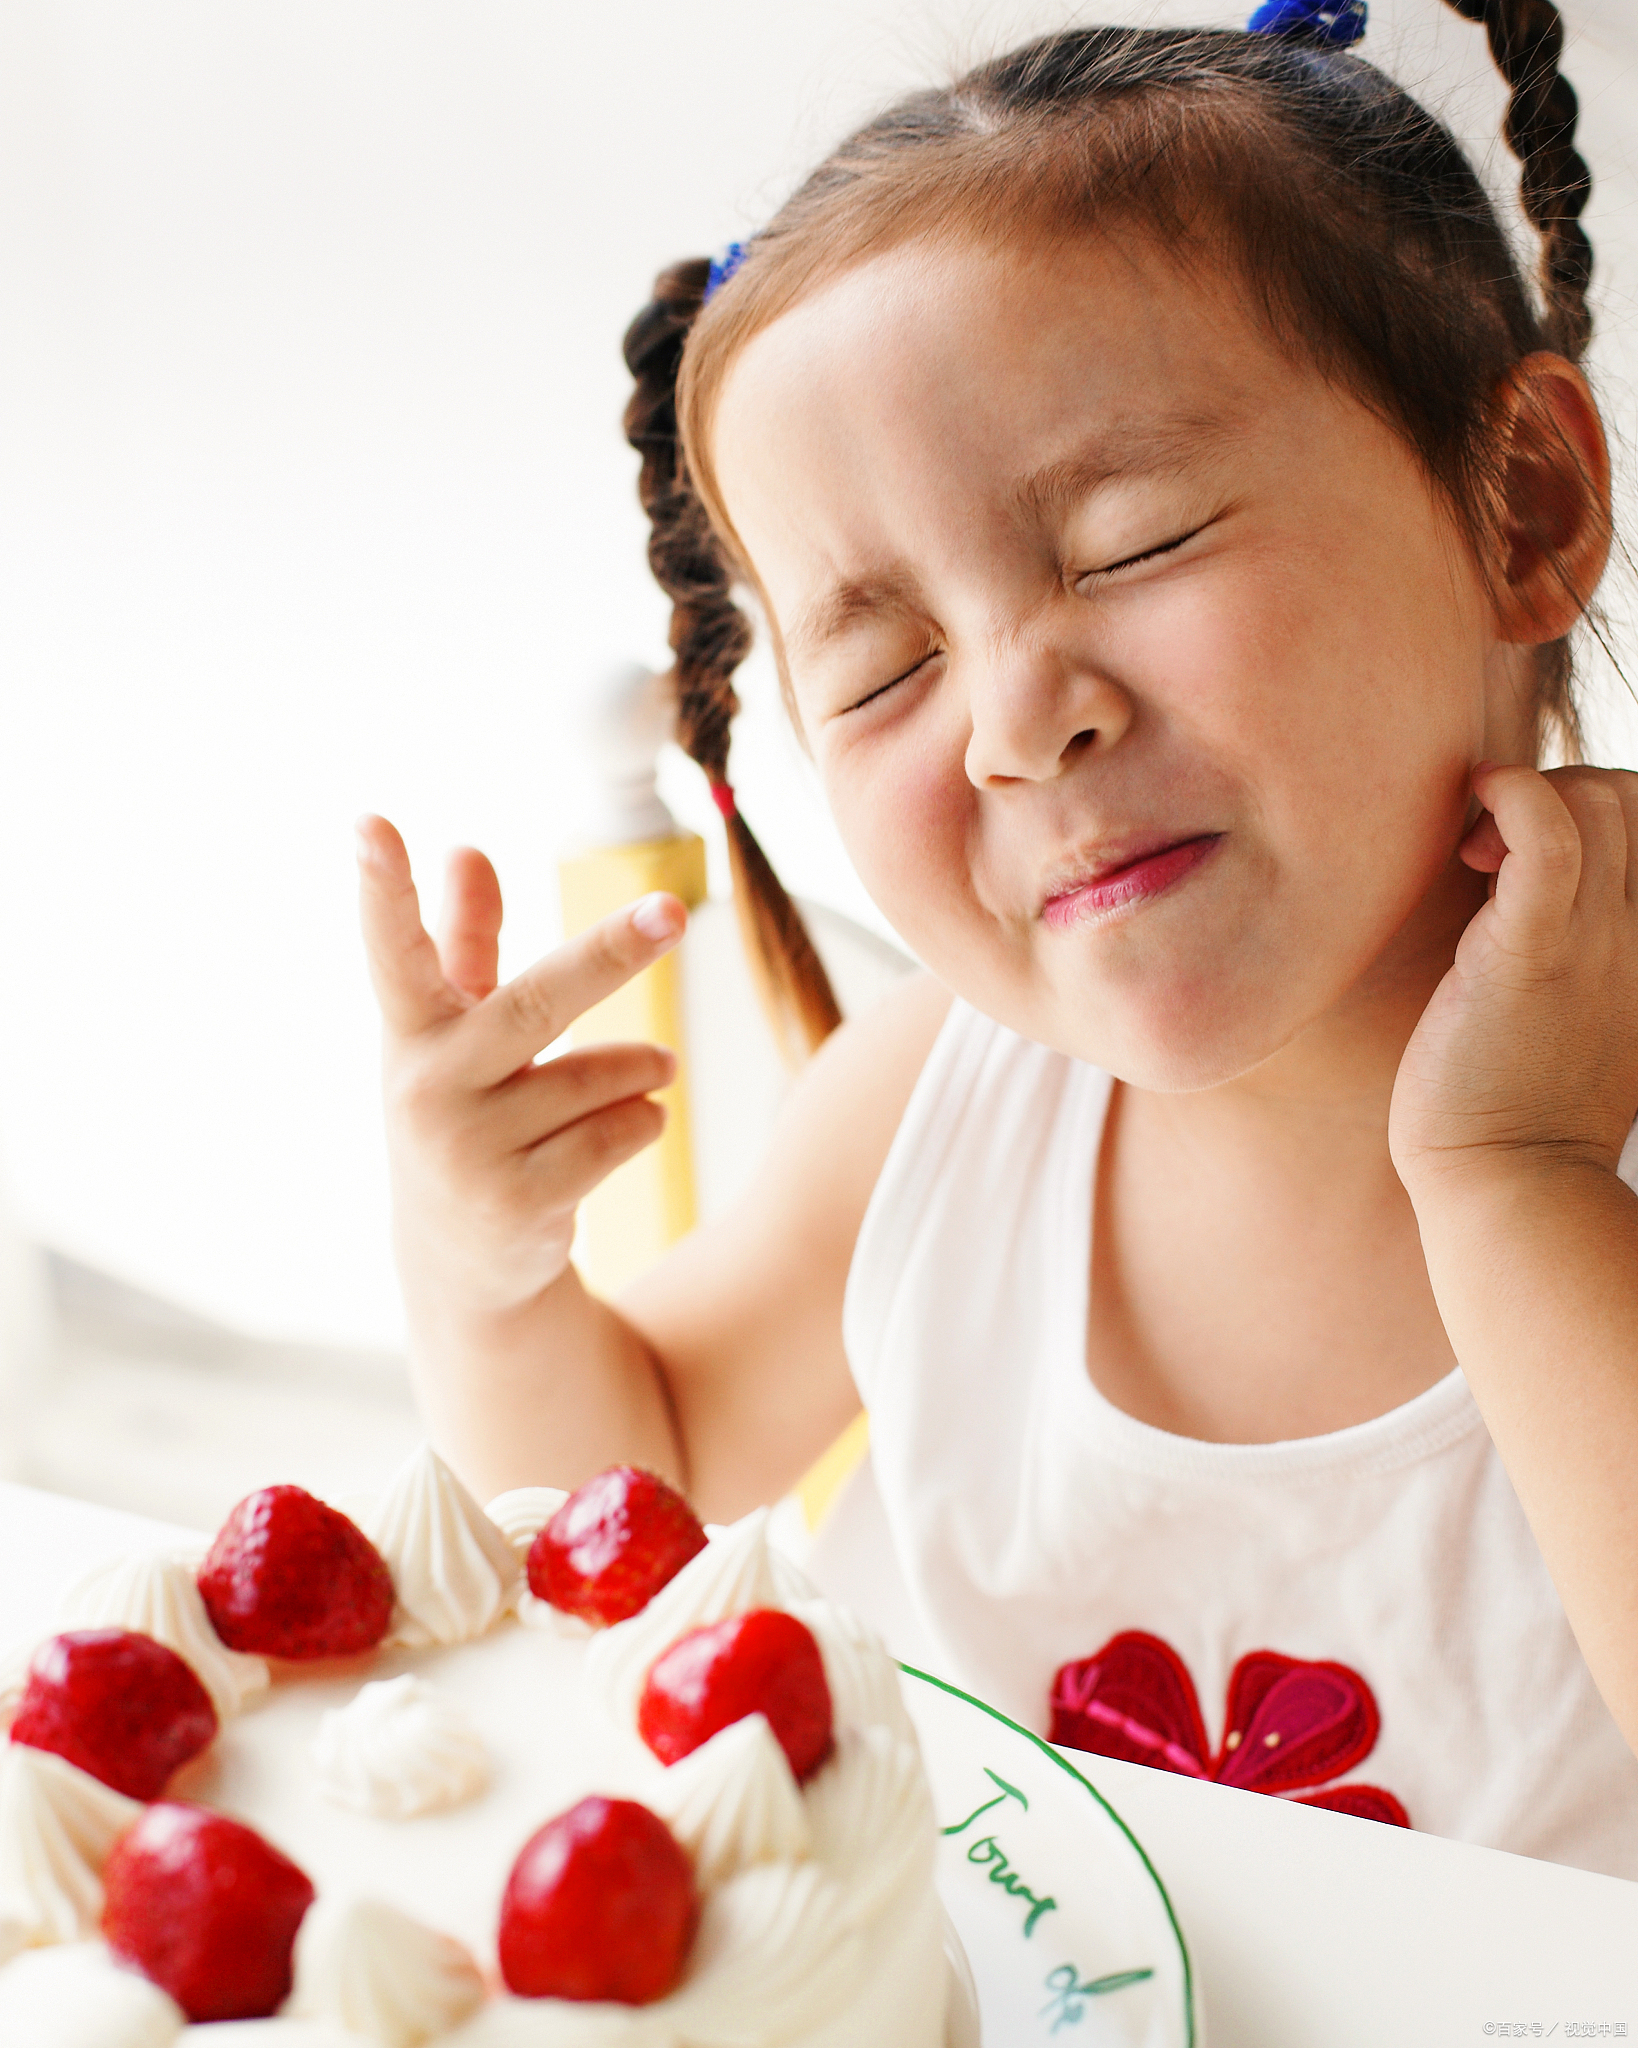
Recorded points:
(315,501)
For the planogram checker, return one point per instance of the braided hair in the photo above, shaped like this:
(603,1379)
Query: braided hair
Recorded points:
(1527,42)
(710,636)
(1360,231)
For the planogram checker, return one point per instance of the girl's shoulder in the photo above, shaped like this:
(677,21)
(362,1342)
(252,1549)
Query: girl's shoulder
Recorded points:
(847,1105)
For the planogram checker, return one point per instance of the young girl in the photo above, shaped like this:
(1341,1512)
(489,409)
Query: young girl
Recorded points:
(1168,508)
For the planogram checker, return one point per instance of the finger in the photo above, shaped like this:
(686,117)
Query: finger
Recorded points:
(409,982)
(524,1017)
(573,1161)
(539,1101)
(1484,848)
(1592,797)
(1537,879)
(469,930)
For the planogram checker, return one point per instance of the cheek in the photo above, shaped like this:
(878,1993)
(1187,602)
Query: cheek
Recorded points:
(902,804)
(1349,708)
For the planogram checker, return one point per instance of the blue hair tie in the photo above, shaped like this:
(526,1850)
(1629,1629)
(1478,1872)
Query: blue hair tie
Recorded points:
(1333,24)
(723,268)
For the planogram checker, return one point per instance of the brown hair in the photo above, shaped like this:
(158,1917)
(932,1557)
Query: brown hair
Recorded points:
(1360,230)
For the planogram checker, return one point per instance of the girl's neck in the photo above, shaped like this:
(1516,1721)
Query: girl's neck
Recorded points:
(1320,1103)
(1256,1268)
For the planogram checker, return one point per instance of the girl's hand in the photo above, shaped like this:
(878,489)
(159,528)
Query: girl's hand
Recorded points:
(1527,1055)
(489,1153)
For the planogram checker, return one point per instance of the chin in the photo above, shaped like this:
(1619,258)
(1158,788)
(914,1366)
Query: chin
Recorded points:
(1172,1042)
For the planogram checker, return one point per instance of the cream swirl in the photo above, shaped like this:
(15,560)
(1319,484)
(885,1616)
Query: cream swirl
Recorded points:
(158,1596)
(399,1748)
(863,1679)
(278,2033)
(733,1803)
(521,1515)
(777,1955)
(738,1570)
(453,1569)
(382,1975)
(77,1997)
(57,1824)
(774,1959)
(872,1819)
(561,2023)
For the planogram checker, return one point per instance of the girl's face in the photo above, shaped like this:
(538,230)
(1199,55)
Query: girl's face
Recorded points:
(1143,669)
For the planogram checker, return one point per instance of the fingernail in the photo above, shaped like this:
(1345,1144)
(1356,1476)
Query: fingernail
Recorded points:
(656,917)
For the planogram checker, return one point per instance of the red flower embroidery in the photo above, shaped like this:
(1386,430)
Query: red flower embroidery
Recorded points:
(1289,1724)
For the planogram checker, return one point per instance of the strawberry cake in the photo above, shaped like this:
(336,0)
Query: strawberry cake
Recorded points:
(569,1772)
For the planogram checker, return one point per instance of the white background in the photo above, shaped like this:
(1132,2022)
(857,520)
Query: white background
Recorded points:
(313,500)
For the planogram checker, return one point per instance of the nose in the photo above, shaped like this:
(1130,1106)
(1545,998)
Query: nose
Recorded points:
(1035,710)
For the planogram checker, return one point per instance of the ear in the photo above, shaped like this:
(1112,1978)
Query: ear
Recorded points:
(1553,524)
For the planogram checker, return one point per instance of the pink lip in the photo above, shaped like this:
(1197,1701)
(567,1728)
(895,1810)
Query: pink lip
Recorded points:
(1136,882)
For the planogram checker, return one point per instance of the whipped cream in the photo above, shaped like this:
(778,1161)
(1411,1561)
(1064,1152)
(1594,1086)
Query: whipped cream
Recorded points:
(279,2033)
(77,1996)
(57,1824)
(776,1957)
(520,1516)
(863,1679)
(384,1976)
(453,1569)
(733,1803)
(399,1748)
(737,1571)
(13,1678)
(158,1597)
(871,1817)
(819,1925)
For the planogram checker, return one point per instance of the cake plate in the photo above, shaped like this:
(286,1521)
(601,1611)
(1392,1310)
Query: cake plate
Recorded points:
(1067,1927)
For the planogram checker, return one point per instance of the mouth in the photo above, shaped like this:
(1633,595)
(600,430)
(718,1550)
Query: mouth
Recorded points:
(1129,878)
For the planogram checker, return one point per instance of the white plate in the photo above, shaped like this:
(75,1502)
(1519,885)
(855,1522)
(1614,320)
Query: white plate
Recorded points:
(1065,1920)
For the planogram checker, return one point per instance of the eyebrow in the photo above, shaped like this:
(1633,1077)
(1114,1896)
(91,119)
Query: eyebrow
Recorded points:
(1159,447)
(842,605)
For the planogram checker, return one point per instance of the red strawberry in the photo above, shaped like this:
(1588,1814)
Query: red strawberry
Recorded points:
(600,1904)
(289,1577)
(766,1662)
(206,1910)
(612,1545)
(118,1704)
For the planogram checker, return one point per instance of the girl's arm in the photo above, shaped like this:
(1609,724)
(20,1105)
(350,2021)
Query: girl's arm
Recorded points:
(726,1372)
(1513,1102)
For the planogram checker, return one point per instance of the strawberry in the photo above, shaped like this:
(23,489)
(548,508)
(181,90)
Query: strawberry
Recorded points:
(118,1704)
(765,1662)
(206,1910)
(289,1577)
(600,1904)
(612,1545)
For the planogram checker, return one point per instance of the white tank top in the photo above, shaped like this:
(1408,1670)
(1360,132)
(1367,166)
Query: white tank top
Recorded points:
(1359,1620)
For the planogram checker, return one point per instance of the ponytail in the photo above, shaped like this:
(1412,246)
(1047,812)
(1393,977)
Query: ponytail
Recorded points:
(710,637)
(1527,42)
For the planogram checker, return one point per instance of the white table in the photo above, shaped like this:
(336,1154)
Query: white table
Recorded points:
(1307,1929)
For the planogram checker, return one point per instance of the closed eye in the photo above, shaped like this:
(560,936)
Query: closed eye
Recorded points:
(1135,561)
(893,682)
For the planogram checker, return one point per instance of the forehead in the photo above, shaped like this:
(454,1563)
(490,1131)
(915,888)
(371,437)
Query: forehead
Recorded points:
(847,430)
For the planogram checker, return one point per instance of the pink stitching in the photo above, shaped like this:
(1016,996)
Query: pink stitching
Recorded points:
(1145,1738)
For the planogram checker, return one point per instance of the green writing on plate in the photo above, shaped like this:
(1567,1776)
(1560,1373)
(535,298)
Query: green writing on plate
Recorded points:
(987,1851)
(1067,2006)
